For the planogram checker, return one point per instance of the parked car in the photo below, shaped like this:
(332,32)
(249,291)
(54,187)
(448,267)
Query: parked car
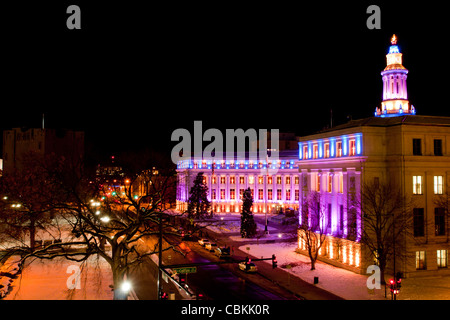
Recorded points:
(222,252)
(210,246)
(203,242)
(248,267)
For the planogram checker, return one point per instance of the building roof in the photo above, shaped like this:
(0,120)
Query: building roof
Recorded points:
(392,121)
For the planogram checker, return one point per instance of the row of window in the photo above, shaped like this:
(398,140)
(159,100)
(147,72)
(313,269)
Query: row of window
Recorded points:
(330,149)
(270,194)
(441,256)
(251,179)
(328,179)
(417,147)
(438,184)
(419,221)
(231,164)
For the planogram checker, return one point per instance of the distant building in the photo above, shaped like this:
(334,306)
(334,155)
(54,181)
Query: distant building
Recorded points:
(227,179)
(18,142)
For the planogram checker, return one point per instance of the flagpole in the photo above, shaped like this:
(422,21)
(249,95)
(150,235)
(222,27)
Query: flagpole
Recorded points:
(265,191)
(212,180)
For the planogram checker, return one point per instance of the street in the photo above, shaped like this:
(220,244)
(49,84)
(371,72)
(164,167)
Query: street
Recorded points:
(212,281)
(224,281)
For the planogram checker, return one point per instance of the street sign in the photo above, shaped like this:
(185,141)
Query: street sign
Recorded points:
(185,270)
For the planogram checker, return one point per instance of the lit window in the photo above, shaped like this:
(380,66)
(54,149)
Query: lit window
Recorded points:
(305,152)
(438,186)
(288,180)
(269,180)
(296,180)
(260,179)
(241,180)
(251,179)
(417,184)
(420,260)
(278,179)
(327,150)
(278,194)
(341,183)
(315,151)
(232,180)
(352,148)
(232,194)
(442,258)
(260,194)
(269,194)
(339,149)
(222,180)
(222,194)
(288,195)
(318,177)
(330,183)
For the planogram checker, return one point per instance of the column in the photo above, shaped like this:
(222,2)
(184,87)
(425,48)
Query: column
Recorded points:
(405,91)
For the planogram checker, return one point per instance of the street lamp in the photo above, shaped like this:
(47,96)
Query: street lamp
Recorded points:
(122,292)
(126,287)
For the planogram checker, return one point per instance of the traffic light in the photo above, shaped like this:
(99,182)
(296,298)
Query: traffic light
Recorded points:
(182,280)
(391,285)
(398,278)
(274,261)
(394,286)
(163,295)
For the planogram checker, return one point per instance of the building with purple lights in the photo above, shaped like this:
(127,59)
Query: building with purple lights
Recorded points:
(274,185)
(410,151)
(395,146)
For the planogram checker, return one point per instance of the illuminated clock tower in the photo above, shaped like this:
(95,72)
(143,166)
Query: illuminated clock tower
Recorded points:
(395,96)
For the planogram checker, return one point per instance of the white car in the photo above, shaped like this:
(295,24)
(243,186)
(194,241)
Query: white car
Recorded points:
(210,246)
(203,242)
(248,267)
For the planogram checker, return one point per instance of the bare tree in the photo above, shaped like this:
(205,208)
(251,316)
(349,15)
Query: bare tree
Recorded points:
(111,226)
(313,225)
(28,198)
(387,220)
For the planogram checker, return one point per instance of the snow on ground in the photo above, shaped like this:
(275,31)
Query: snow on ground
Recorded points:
(230,223)
(51,280)
(339,281)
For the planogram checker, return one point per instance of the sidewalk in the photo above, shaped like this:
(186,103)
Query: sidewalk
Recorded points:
(51,279)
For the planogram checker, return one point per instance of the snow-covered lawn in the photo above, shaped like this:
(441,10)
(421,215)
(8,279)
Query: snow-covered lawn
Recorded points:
(347,284)
(51,279)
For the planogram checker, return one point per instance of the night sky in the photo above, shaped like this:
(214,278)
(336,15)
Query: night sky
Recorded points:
(135,73)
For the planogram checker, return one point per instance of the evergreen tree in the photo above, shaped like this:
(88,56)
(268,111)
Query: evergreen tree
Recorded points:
(248,225)
(198,203)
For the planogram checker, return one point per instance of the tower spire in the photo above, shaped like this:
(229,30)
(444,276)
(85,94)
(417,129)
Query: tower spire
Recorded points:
(395,95)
